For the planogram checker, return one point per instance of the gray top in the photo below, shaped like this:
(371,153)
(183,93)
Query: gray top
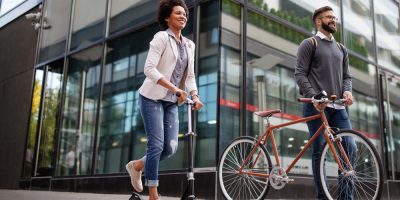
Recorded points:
(180,67)
(328,70)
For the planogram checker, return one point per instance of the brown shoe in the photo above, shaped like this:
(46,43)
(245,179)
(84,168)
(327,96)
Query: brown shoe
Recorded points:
(136,176)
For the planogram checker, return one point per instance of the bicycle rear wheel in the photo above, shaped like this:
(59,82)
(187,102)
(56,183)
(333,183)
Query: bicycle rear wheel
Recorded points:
(366,179)
(235,185)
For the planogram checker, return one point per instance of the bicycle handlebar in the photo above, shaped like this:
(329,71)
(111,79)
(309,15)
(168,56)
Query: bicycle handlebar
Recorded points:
(322,100)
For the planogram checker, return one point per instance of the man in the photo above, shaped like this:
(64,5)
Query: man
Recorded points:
(322,64)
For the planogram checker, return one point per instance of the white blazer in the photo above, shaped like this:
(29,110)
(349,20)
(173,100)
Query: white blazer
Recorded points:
(160,63)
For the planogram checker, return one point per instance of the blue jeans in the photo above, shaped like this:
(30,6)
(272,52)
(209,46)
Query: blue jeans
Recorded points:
(161,124)
(339,119)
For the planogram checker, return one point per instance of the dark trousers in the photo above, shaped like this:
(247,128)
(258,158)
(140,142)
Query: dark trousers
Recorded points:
(336,118)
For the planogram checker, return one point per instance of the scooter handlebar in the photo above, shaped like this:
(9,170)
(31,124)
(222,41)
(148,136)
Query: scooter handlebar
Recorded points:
(187,101)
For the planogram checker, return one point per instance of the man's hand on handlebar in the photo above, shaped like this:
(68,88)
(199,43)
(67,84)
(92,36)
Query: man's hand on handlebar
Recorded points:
(348,97)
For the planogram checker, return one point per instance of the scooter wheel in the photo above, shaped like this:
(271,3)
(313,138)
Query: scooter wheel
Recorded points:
(135,196)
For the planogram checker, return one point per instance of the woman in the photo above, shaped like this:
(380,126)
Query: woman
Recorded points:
(169,69)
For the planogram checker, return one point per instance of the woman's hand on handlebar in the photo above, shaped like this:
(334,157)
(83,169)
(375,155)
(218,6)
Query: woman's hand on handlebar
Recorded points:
(197,103)
(182,95)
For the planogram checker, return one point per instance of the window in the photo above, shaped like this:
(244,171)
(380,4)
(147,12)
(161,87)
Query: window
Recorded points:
(125,14)
(122,136)
(78,123)
(87,27)
(358,33)
(7,5)
(53,39)
(231,72)
(387,34)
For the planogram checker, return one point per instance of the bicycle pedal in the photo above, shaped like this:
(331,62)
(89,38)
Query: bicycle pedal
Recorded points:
(288,180)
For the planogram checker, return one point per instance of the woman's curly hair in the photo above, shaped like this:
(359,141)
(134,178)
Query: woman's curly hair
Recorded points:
(165,9)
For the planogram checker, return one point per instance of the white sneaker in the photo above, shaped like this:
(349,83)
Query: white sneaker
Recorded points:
(136,176)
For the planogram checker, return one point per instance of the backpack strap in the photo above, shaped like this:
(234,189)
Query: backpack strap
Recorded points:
(341,46)
(314,43)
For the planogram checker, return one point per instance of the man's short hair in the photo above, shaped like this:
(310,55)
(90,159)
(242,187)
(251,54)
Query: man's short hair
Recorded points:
(319,11)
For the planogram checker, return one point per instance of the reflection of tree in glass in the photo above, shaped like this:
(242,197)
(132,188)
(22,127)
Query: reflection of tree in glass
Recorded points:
(49,120)
(49,125)
(34,114)
(32,128)
(288,33)
(276,28)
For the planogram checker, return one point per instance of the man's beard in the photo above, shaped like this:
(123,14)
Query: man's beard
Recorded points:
(327,28)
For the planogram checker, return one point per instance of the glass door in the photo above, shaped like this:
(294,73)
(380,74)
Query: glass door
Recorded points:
(48,117)
(46,96)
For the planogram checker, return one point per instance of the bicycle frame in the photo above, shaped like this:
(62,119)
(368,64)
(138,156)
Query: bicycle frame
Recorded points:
(328,133)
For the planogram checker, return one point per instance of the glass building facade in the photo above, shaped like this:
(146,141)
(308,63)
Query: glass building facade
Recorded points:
(85,119)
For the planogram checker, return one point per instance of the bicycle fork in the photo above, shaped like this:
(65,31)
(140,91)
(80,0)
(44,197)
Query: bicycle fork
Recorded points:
(338,140)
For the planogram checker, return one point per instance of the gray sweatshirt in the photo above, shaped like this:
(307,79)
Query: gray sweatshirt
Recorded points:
(327,71)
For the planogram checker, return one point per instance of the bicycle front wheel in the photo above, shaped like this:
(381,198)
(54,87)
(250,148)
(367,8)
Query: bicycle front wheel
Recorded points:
(253,183)
(365,179)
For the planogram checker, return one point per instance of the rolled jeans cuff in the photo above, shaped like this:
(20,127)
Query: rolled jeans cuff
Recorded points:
(151,183)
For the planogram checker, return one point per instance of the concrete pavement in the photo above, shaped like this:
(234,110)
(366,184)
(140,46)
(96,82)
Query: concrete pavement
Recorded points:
(50,195)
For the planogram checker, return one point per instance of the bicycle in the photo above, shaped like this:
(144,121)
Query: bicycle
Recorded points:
(245,169)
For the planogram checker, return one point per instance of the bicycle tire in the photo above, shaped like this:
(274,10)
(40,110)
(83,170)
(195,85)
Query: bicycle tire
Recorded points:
(365,182)
(243,186)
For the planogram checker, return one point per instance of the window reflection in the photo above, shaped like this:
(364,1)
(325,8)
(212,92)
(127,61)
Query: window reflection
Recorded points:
(53,39)
(357,28)
(277,35)
(7,5)
(52,95)
(387,34)
(122,135)
(207,80)
(79,113)
(296,12)
(364,112)
(231,70)
(33,123)
(392,115)
(87,27)
(125,14)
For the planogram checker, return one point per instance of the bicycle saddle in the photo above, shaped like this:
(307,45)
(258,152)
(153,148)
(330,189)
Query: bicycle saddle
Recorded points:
(267,113)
